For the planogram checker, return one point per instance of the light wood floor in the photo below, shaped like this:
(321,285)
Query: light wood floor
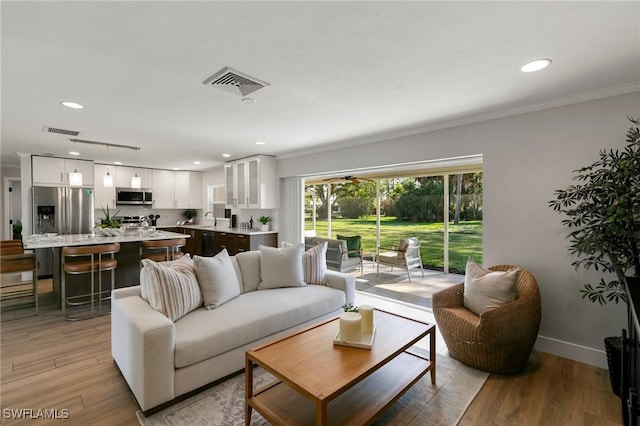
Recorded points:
(50,363)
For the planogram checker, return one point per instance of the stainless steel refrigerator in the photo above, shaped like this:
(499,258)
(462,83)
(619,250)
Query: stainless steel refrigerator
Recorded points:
(61,210)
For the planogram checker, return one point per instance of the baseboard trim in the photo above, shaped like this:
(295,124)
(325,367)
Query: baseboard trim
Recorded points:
(579,353)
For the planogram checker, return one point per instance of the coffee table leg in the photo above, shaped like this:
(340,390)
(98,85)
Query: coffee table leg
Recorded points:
(321,413)
(248,390)
(432,354)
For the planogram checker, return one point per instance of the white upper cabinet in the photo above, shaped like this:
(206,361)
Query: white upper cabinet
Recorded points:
(104,196)
(124,175)
(163,189)
(177,190)
(188,189)
(252,183)
(55,171)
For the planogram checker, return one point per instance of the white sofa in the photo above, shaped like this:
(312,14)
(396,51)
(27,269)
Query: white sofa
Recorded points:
(162,360)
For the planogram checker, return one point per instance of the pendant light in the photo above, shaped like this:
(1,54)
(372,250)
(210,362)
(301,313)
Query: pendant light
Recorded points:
(136,182)
(75,177)
(107,180)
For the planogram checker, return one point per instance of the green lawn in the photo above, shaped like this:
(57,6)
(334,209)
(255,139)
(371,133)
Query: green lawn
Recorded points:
(465,239)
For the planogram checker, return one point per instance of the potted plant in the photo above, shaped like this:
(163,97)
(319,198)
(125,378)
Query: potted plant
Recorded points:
(189,214)
(264,220)
(17,230)
(603,218)
(109,220)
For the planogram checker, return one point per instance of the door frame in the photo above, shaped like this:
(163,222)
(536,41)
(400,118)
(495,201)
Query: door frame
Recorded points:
(7,230)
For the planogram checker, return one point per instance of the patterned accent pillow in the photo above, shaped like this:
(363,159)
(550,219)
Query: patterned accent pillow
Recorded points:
(185,261)
(315,264)
(172,289)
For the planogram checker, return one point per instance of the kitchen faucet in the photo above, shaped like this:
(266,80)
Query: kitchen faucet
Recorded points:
(215,219)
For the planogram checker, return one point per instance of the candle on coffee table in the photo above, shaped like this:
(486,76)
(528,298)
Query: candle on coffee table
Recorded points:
(366,312)
(350,327)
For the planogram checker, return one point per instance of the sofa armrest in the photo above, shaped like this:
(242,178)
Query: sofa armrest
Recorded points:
(125,292)
(344,282)
(143,345)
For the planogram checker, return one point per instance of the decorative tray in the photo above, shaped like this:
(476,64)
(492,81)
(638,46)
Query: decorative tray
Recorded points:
(365,343)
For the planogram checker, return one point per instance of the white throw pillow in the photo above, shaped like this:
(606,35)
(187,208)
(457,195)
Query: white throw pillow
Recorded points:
(172,289)
(281,267)
(315,264)
(485,289)
(217,278)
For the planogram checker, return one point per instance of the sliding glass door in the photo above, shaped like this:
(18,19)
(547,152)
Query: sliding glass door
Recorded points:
(444,211)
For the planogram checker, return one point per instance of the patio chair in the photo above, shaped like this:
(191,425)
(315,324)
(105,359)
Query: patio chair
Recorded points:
(406,255)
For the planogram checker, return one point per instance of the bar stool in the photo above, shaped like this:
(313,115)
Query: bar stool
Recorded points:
(162,250)
(88,260)
(14,260)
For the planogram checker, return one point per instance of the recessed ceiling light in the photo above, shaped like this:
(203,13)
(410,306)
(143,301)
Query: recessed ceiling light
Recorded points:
(196,162)
(117,163)
(261,143)
(74,153)
(71,105)
(249,101)
(226,155)
(536,65)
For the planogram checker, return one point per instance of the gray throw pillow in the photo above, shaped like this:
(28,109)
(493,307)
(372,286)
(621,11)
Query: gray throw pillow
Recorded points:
(217,279)
(281,267)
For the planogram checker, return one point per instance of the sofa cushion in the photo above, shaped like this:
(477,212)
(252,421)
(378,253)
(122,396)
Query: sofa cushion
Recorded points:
(251,316)
(249,262)
(217,279)
(485,289)
(172,289)
(281,267)
(315,264)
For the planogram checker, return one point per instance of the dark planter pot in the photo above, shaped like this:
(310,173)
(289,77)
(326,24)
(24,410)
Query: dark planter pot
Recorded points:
(613,348)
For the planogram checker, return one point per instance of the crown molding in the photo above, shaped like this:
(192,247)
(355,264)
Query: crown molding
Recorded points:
(622,89)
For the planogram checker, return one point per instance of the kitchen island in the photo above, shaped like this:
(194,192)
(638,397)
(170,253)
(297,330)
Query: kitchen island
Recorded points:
(126,274)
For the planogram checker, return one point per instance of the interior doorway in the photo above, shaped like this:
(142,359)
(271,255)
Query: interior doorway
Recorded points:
(12,208)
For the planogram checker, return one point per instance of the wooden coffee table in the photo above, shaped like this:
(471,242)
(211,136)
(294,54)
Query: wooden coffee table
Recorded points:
(325,384)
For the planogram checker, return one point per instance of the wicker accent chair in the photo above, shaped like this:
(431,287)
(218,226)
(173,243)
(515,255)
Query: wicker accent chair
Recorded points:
(499,340)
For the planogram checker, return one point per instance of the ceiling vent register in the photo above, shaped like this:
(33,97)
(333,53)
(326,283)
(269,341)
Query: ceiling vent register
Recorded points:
(235,82)
(60,131)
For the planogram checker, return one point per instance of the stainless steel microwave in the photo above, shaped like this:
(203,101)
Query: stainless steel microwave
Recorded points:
(134,196)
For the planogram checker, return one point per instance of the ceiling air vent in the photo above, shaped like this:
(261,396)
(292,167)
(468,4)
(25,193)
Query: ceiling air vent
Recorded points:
(235,82)
(60,131)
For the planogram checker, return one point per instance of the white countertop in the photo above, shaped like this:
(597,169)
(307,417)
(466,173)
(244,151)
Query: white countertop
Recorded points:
(221,229)
(39,241)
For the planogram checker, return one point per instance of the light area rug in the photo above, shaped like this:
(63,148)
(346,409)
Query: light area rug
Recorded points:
(440,404)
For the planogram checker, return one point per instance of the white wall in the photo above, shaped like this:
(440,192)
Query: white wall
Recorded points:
(526,157)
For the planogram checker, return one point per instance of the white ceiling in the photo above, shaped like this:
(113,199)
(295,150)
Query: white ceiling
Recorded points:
(340,72)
